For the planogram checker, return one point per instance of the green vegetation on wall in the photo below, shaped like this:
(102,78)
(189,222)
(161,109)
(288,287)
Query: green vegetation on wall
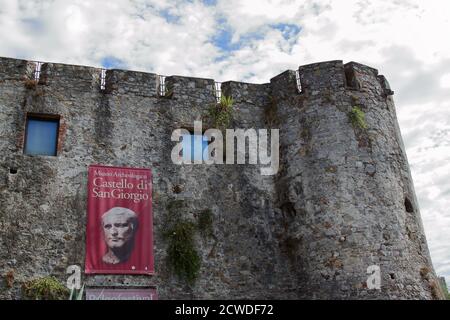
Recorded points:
(205,223)
(446,293)
(182,254)
(77,294)
(357,118)
(45,288)
(221,113)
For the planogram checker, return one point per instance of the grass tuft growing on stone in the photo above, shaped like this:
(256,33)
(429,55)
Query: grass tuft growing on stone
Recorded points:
(357,118)
(221,113)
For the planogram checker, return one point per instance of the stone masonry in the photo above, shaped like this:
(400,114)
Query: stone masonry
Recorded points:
(342,200)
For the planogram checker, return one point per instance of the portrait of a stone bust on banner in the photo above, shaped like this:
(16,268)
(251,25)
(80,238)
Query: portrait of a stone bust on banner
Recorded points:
(119,227)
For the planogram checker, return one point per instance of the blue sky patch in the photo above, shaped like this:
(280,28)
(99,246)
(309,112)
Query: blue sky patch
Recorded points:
(111,62)
(222,39)
(210,2)
(170,18)
(34,25)
(288,30)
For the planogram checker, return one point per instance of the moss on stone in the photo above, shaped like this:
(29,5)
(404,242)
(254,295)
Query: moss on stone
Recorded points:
(181,253)
(205,223)
(182,256)
(174,212)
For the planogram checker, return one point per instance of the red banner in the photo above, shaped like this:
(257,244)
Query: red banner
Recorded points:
(119,237)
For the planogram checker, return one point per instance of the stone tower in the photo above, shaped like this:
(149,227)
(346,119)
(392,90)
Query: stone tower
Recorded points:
(342,201)
(346,186)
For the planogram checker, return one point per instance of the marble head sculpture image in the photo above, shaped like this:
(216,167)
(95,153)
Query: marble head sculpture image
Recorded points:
(119,230)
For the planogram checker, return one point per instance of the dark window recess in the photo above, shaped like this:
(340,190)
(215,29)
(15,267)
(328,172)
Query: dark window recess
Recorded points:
(41,135)
(177,189)
(408,205)
(350,78)
(12,170)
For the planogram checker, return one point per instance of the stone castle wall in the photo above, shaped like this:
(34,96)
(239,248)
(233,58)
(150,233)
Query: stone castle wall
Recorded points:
(342,200)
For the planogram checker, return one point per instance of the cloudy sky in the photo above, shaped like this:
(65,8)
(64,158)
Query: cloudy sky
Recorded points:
(406,40)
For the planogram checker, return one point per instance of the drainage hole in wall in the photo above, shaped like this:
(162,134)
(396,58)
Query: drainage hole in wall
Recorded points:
(408,205)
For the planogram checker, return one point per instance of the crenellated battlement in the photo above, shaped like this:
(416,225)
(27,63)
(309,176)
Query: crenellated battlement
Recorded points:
(190,88)
(251,93)
(120,82)
(309,79)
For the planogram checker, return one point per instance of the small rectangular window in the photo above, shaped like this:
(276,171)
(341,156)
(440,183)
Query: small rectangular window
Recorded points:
(41,136)
(194,146)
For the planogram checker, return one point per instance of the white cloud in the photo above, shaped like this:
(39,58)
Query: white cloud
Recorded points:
(405,39)
(445,81)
